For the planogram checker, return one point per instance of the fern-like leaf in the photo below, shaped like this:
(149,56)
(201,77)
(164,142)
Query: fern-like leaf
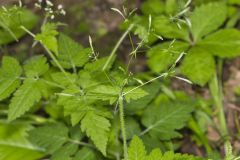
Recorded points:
(136,150)
(48,37)
(97,128)
(24,98)
(71,54)
(36,66)
(9,76)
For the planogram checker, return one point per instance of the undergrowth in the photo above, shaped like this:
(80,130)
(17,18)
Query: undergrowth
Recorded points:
(70,103)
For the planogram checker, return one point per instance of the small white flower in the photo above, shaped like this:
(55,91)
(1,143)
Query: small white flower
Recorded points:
(20,3)
(63,12)
(4,8)
(49,3)
(39,1)
(52,16)
(37,5)
(60,6)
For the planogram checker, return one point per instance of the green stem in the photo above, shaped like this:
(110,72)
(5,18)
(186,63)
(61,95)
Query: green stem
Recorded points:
(216,90)
(121,110)
(50,54)
(80,143)
(110,58)
(57,63)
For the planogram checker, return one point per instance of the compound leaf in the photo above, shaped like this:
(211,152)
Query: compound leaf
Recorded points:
(165,27)
(207,18)
(36,66)
(71,54)
(224,43)
(9,76)
(136,150)
(162,56)
(97,128)
(155,154)
(134,94)
(24,98)
(48,37)
(198,66)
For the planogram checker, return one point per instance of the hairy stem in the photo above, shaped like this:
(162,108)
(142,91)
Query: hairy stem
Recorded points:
(121,110)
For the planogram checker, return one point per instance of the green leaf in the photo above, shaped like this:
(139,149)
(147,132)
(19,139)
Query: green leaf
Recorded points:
(85,154)
(24,98)
(97,128)
(74,105)
(223,43)
(13,142)
(152,7)
(134,94)
(136,150)
(11,20)
(60,78)
(105,92)
(71,54)
(141,29)
(48,37)
(155,154)
(172,6)
(136,105)
(163,26)
(164,120)
(162,56)
(65,152)
(9,76)
(36,66)
(132,128)
(179,156)
(111,93)
(207,18)
(152,142)
(97,65)
(198,66)
(51,137)
(233,1)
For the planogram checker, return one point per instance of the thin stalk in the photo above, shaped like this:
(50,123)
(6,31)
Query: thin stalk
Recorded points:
(215,87)
(57,63)
(121,112)
(117,46)
(2,24)
(81,143)
(160,76)
(50,54)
